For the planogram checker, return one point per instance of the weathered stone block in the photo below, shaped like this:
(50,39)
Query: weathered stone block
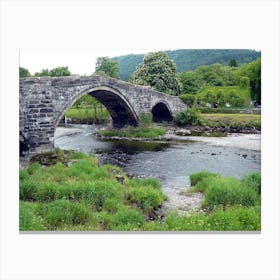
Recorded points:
(42,98)
(46,110)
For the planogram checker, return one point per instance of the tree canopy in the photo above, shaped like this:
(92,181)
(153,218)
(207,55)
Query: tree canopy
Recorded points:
(232,63)
(189,59)
(206,75)
(42,73)
(251,70)
(23,72)
(159,72)
(108,66)
(60,71)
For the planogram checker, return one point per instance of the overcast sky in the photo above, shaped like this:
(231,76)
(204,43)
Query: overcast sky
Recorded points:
(78,61)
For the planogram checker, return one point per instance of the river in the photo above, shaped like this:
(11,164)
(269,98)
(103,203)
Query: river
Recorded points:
(171,162)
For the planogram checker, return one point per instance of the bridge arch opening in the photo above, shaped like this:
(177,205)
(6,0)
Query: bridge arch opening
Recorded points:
(161,113)
(120,110)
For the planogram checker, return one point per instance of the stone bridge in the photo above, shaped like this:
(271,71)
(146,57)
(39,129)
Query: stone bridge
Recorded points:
(43,102)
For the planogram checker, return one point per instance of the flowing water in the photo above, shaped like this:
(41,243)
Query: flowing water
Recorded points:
(171,162)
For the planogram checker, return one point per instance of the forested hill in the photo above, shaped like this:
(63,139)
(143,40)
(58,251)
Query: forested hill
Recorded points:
(188,59)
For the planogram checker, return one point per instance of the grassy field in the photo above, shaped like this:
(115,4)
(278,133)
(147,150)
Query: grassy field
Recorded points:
(100,115)
(79,195)
(232,120)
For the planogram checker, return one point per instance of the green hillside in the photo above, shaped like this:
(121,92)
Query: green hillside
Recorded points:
(188,59)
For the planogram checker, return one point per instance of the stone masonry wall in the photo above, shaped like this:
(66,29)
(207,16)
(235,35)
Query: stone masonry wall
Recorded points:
(44,100)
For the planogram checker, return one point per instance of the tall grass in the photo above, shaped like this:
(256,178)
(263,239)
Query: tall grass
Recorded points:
(228,192)
(62,196)
(80,195)
(200,180)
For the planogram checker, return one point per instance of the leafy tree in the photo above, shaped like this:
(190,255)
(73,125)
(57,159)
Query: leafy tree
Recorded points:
(23,72)
(244,82)
(190,59)
(251,70)
(159,72)
(221,98)
(190,82)
(59,71)
(108,66)
(215,75)
(42,73)
(188,99)
(232,63)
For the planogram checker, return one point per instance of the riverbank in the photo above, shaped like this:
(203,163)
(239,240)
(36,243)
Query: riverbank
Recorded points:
(238,140)
(150,158)
(76,194)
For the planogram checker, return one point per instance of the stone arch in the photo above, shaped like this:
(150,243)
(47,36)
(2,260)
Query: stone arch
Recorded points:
(161,112)
(121,111)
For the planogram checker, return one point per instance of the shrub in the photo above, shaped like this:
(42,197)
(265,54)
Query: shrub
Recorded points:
(231,218)
(200,176)
(147,198)
(200,180)
(23,175)
(235,218)
(61,212)
(252,181)
(188,99)
(27,190)
(147,182)
(228,191)
(53,173)
(145,193)
(196,221)
(80,167)
(100,191)
(127,219)
(146,119)
(154,226)
(244,82)
(31,169)
(77,155)
(47,192)
(28,218)
(112,205)
(189,117)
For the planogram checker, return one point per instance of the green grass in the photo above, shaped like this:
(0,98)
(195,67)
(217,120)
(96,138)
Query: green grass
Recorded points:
(253,181)
(231,219)
(29,218)
(225,110)
(232,120)
(200,180)
(79,195)
(88,115)
(67,196)
(135,132)
(227,191)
